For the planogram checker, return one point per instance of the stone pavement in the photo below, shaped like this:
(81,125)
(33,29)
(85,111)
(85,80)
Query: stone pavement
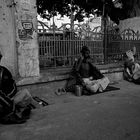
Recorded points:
(113,115)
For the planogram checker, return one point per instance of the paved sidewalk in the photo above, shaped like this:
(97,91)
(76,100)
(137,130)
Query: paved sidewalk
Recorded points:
(113,115)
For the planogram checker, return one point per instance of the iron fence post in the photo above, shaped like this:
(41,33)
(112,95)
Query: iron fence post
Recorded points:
(104,15)
(105,42)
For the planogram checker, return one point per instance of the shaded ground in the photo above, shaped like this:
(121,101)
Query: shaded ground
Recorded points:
(111,115)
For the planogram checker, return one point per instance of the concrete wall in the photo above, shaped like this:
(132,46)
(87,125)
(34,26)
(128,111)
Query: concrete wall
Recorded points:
(18,37)
(132,23)
(7,36)
(26,38)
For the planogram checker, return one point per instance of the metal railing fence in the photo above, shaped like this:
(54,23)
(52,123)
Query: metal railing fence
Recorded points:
(60,47)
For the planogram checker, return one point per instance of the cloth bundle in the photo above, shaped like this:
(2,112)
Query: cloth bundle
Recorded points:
(96,85)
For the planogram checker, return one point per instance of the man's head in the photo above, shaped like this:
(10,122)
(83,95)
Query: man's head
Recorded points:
(85,51)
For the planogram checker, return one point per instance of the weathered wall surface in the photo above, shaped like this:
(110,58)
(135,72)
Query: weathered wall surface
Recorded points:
(132,23)
(27,44)
(7,36)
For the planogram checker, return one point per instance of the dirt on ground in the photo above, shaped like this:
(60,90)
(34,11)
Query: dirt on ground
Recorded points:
(113,115)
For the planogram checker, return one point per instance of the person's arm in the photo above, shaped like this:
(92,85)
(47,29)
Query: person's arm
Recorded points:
(80,79)
(6,101)
(13,89)
(8,83)
(95,72)
(75,71)
(128,71)
(127,75)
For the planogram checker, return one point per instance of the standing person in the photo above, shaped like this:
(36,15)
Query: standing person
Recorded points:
(86,75)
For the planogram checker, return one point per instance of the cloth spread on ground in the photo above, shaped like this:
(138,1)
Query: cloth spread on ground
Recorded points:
(111,88)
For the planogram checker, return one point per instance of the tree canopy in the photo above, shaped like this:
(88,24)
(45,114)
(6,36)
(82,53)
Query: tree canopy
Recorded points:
(82,8)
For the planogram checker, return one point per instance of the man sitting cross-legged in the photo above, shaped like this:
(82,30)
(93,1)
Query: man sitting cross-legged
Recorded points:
(86,75)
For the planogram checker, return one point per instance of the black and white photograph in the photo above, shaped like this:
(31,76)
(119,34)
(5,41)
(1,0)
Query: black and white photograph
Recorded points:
(69,69)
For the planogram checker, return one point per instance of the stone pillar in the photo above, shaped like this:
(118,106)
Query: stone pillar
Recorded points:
(26,38)
(8,36)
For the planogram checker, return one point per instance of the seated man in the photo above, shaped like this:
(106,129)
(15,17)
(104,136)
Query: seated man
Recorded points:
(86,75)
(14,105)
(131,68)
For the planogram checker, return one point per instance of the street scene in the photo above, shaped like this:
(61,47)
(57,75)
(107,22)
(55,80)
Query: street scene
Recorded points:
(70,70)
(111,115)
